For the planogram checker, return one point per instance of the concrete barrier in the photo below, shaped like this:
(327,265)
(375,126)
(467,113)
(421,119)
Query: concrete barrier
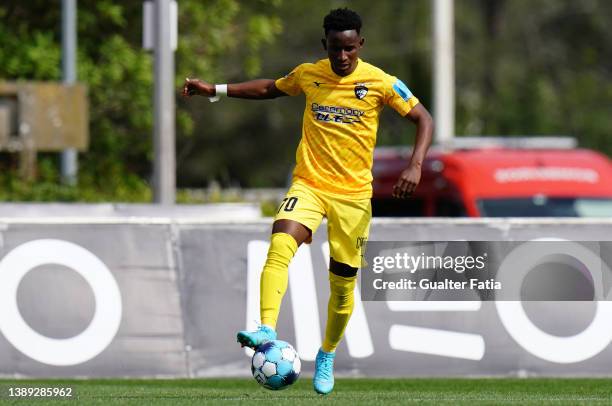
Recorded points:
(148,295)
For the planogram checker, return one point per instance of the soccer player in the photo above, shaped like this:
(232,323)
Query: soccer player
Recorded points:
(332,177)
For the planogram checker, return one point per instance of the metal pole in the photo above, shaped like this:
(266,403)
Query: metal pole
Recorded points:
(164,168)
(443,70)
(69,165)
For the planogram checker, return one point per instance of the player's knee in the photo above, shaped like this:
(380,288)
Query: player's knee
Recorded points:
(295,229)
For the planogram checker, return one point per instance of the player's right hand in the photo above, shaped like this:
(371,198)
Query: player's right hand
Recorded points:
(194,87)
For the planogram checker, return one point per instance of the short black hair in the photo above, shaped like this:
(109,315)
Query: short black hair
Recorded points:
(342,19)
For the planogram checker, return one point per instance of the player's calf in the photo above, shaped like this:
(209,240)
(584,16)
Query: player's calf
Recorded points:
(254,339)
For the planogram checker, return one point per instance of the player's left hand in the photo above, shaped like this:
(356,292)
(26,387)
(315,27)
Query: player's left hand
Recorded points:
(407,182)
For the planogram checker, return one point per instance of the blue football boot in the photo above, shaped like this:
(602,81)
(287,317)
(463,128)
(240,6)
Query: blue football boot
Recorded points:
(323,380)
(254,339)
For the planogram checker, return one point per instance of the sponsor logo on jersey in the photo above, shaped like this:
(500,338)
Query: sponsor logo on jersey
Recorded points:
(360,91)
(336,114)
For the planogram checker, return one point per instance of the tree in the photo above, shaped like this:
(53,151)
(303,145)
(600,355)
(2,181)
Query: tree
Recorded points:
(535,68)
(118,71)
(523,68)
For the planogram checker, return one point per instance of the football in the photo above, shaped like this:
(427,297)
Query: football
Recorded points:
(276,365)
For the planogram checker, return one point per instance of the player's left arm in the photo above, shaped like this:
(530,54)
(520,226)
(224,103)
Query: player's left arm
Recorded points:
(410,177)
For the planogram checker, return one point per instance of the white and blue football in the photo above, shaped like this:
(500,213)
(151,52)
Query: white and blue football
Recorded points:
(276,365)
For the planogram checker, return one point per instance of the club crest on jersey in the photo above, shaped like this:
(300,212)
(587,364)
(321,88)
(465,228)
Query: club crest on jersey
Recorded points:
(360,91)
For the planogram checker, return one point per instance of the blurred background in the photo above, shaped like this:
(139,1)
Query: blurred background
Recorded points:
(522,68)
(533,79)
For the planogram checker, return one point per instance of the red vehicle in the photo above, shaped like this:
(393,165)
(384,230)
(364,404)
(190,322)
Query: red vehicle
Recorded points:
(497,177)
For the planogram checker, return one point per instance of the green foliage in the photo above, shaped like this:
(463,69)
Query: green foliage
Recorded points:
(269,208)
(521,68)
(119,74)
(535,68)
(48,188)
(213,34)
(27,52)
(261,30)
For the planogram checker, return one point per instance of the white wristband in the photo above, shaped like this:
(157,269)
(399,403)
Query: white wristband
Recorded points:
(220,90)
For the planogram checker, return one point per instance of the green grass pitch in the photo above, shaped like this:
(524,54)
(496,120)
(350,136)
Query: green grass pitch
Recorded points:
(352,392)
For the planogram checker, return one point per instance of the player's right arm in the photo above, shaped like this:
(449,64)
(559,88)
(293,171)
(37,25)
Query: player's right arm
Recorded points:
(257,89)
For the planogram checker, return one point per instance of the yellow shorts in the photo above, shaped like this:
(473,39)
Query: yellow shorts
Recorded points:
(348,221)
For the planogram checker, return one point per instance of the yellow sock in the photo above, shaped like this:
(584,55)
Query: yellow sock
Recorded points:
(275,275)
(339,309)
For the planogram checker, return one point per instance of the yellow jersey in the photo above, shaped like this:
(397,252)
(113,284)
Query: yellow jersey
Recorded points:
(340,124)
